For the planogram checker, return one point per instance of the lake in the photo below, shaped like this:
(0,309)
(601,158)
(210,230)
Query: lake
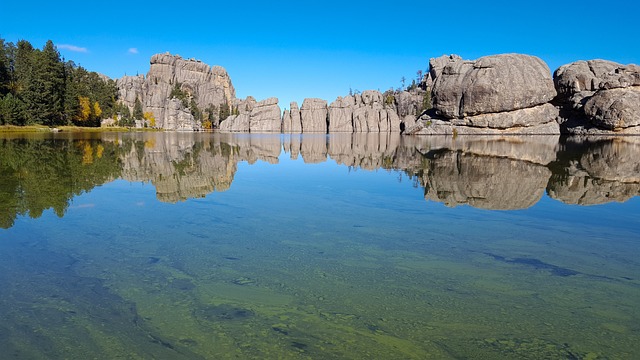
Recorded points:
(372,246)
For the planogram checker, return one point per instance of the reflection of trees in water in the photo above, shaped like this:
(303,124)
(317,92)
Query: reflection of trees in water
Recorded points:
(487,172)
(36,175)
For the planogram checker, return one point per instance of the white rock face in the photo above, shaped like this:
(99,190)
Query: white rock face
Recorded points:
(236,123)
(363,113)
(206,85)
(313,114)
(265,117)
(291,120)
(255,117)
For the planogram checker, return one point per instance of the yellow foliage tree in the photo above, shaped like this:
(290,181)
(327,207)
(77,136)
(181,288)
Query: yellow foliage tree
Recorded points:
(85,108)
(149,116)
(97,111)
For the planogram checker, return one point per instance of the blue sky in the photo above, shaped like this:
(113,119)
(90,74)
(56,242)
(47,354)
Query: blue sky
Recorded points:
(294,50)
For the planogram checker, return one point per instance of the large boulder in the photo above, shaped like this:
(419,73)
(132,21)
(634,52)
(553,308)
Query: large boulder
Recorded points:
(594,75)
(614,109)
(499,94)
(491,84)
(313,114)
(599,97)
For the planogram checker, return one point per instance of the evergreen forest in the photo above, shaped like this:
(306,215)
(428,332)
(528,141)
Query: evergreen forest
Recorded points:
(38,87)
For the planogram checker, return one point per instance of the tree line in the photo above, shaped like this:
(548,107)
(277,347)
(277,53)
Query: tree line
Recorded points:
(37,86)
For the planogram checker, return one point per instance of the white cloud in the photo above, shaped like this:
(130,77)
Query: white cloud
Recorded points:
(133,50)
(72,48)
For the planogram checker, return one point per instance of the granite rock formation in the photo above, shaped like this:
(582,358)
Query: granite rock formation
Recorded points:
(252,116)
(361,113)
(205,85)
(341,115)
(265,117)
(599,97)
(497,94)
(365,113)
(291,120)
(313,115)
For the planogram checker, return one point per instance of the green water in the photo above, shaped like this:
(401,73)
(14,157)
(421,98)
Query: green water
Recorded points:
(203,246)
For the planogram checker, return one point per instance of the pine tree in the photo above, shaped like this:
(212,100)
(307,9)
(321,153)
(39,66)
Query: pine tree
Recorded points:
(22,75)
(5,76)
(52,83)
(138,114)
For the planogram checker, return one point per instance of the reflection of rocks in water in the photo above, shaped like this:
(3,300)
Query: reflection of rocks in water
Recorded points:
(597,170)
(314,149)
(368,151)
(252,148)
(457,178)
(191,165)
(180,165)
(490,172)
(539,149)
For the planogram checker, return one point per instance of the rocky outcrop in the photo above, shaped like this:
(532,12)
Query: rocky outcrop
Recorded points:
(599,97)
(614,109)
(371,114)
(364,113)
(236,123)
(265,117)
(206,86)
(291,120)
(131,88)
(176,117)
(313,115)
(341,115)
(497,94)
(492,84)
(252,116)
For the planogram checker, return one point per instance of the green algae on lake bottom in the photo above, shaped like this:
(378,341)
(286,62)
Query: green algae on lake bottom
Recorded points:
(286,265)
